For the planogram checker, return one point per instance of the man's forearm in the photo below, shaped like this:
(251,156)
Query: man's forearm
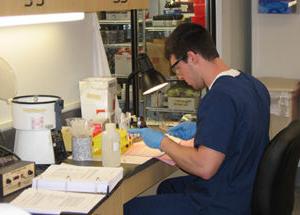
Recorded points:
(202,161)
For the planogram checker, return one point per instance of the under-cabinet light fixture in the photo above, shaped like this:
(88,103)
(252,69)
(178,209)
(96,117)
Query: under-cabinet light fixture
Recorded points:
(6,21)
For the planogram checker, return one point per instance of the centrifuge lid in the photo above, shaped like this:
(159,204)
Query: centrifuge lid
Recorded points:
(8,85)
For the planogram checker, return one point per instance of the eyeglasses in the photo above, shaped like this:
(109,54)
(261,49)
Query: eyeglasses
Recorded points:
(173,67)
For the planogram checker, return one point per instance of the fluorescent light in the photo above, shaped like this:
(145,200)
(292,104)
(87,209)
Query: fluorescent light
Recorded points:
(39,19)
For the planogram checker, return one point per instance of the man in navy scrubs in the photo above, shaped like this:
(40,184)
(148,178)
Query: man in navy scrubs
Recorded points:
(229,137)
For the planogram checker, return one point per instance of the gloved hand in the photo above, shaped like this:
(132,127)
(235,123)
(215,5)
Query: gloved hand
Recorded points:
(184,130)
(151,137)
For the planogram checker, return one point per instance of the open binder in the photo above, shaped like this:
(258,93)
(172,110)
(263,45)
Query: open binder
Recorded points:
(43,201)
(68,188)
(79,178)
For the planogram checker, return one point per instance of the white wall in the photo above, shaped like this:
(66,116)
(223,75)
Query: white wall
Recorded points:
(48,59)
(275,44)
(233,40)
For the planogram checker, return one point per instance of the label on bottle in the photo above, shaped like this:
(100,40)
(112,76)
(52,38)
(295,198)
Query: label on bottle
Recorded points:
(115,146)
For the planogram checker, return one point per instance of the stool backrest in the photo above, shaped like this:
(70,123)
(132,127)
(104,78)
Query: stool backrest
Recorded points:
(274,187)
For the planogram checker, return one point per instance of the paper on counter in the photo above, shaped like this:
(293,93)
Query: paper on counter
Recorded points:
(54,202)
(141,149)
(131,159)
(139,153)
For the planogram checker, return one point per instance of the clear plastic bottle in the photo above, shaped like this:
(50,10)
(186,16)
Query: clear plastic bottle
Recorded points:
(111,146)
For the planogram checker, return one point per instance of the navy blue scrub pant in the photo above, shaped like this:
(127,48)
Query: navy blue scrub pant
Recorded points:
(171,199)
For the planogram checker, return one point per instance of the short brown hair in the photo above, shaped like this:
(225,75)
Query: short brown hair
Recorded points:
(190,37)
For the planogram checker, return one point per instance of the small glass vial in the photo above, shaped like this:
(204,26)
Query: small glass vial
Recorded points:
(111,146)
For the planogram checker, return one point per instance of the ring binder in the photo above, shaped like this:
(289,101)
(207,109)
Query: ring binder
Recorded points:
(37,201)
(37,184)
(97,185)
(107,190)
(82,187)
(71,178)
(68,179)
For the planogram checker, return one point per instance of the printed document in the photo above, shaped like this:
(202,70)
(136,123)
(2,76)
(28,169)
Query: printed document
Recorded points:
(54,202)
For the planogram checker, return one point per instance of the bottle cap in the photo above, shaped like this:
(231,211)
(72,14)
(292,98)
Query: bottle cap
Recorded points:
(110,126)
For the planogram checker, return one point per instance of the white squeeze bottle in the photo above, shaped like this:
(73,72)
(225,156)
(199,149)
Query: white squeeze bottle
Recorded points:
(111,146)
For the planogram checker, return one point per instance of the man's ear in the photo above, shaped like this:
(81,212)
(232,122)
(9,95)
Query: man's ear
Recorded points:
(192,57)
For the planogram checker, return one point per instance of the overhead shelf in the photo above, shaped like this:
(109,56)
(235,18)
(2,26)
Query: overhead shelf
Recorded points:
(168,110)
(17,7)
(160,28)
(117,45)
(115,22)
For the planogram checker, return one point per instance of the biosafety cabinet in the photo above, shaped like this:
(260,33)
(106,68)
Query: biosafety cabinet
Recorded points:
(285,102)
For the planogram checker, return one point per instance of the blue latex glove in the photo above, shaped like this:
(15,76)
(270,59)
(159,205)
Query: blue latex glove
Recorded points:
(184,130)
(151,137)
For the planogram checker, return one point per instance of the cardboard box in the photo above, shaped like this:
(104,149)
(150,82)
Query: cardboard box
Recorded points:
(285,102)
(155,51)
(184,104)
(123,64)
(97,96)
(118,15)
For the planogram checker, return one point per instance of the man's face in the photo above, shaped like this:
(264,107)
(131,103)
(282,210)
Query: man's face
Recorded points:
(187,71)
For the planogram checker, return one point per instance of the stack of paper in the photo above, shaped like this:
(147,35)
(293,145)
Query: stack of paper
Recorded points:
(139,152)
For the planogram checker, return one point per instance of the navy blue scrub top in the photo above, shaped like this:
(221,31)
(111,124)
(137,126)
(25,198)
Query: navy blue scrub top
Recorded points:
(233,118)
